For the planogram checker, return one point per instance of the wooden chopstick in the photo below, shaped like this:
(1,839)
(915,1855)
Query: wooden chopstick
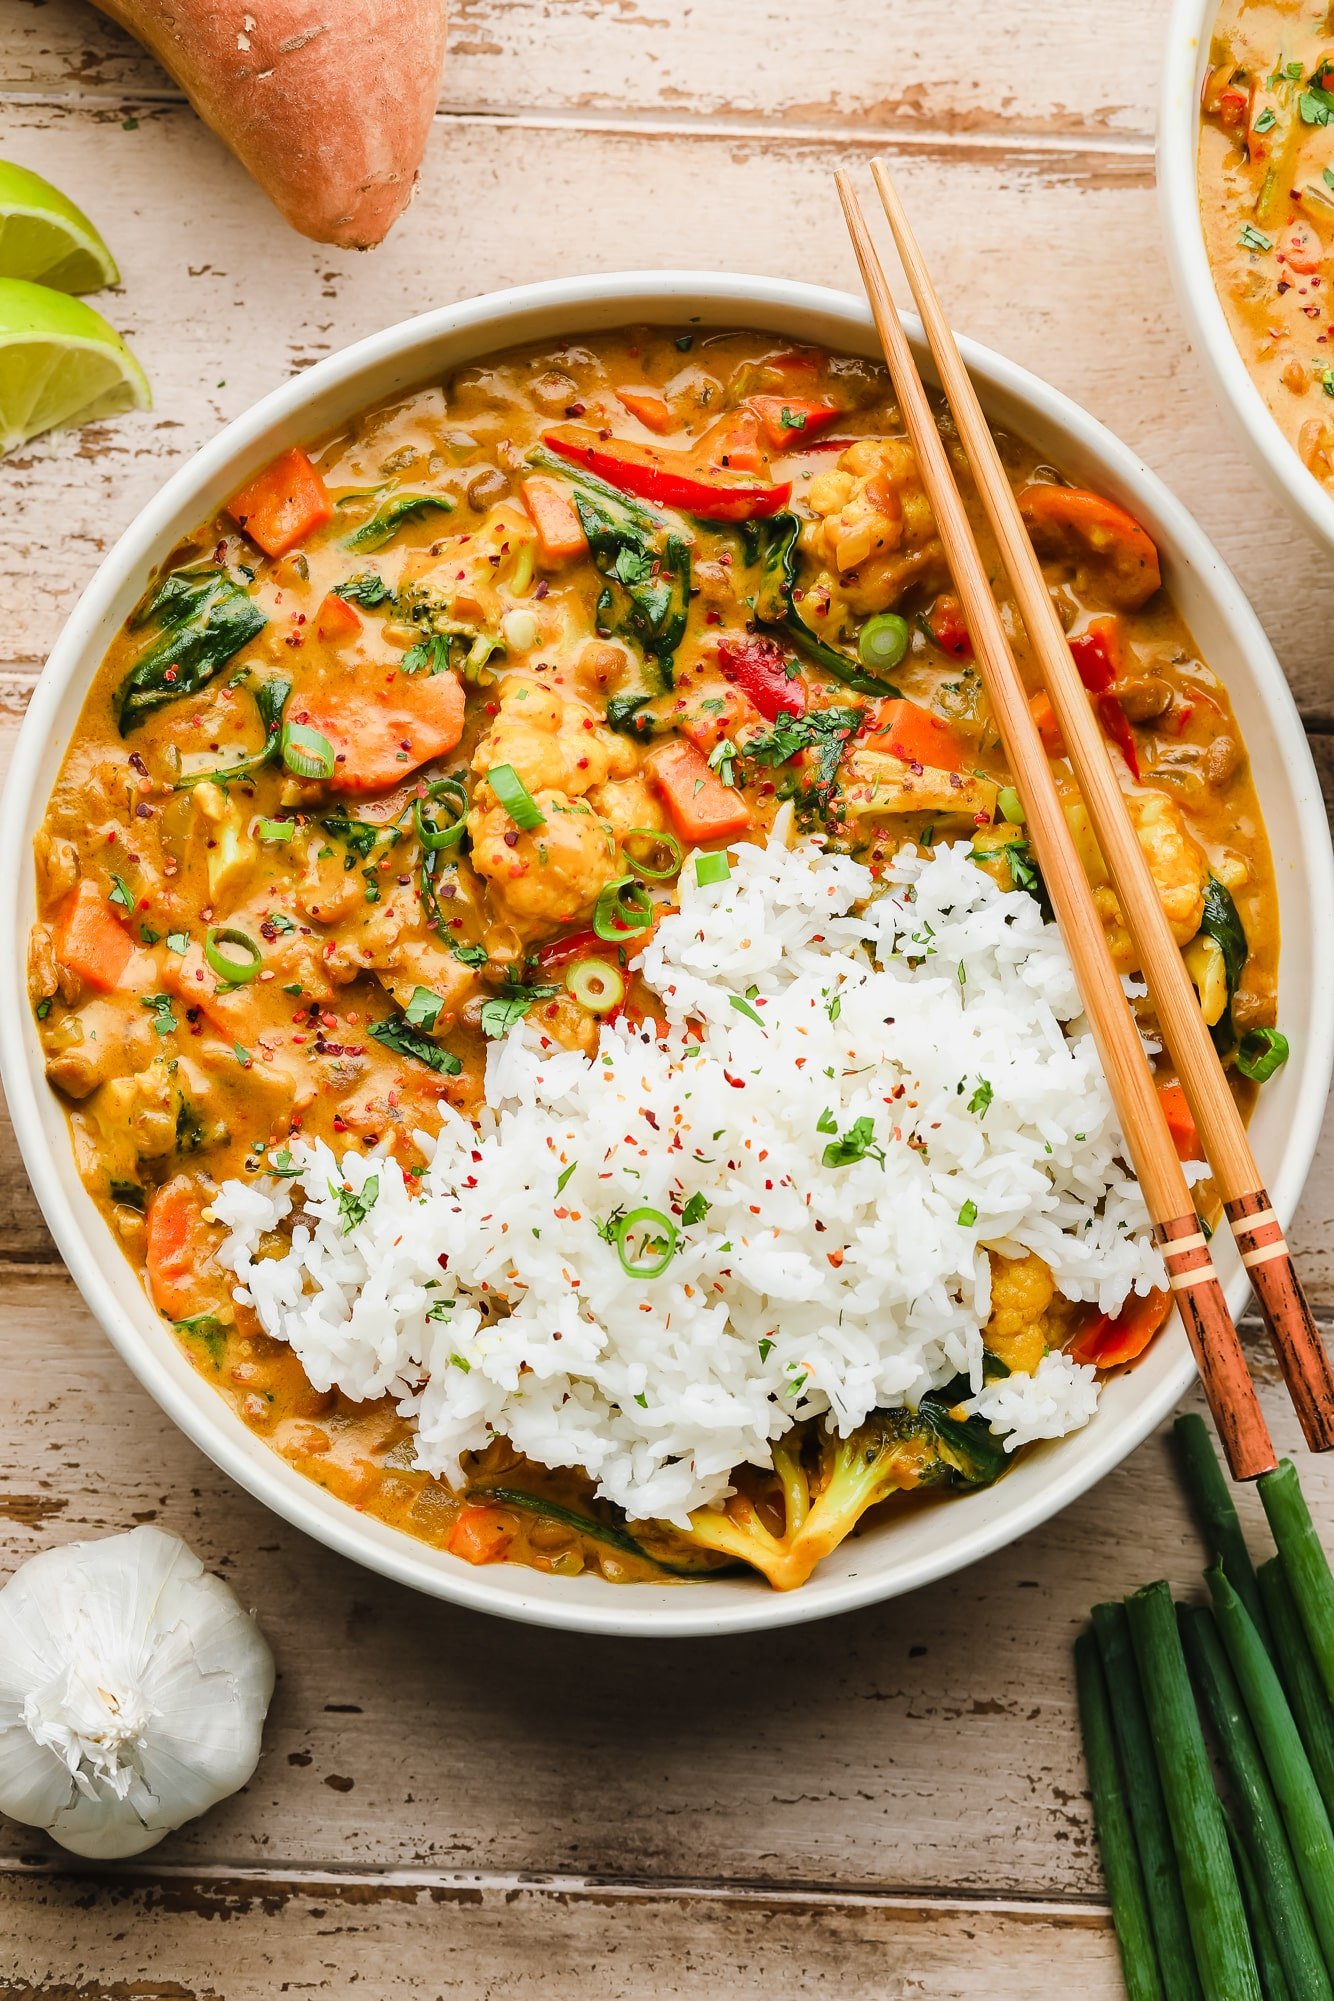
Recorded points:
(1264,1251)
(1199,1296)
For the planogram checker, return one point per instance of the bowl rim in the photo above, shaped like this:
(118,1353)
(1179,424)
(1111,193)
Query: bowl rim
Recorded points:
(1189,29)
(209,1422)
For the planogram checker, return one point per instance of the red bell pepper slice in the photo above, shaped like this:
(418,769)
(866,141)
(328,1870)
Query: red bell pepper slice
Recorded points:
(662,477)
(945,623)
(1109,1343)
(787,421)
(578,945)
(1114,720)
(1099,654)
(758,666)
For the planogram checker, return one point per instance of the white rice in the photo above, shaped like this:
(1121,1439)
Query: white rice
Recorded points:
(484,1300)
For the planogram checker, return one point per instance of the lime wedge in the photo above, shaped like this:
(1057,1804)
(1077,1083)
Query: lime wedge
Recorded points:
(45,238)
(60,364)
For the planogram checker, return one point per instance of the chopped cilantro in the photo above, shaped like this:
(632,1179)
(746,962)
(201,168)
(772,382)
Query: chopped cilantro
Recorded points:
(120,893)
(355,1208)
(423,1010)
(857,1143)
(164,1021)
(981,1098)
(696,1209)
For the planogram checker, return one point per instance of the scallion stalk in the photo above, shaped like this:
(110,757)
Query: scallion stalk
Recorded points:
(1116,1841)
(515,797)
(1148,1809)
(1216,1513)
(239,972)
(1260,1824)
(1304,1818)
(307,752)
(1300,1677)
(1214,1910)
(1305,1564)
(1273,1982)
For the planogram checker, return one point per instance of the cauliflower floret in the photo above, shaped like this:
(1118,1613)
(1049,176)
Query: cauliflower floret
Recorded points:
(554,874)
(554,744)
(1022,1290)
(1178,863)
(875,533)
(628,803)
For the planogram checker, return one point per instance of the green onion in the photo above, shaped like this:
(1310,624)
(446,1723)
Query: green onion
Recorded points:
(1273,1980)
(1303,1810)
(238,971)
(596,1531)
(1214,1909)
(434,834)
(657,1247)
(1260,1824)
(654,869)
(1148,1808)
(1011,806)
(275,830)
(1300,1677)
(623,908)
(1305,1564)
(596,985)
(306,752)
(1217,1516)
(711,868)
(1125,1881)
(883,641)
(515,797)
(1260,1053)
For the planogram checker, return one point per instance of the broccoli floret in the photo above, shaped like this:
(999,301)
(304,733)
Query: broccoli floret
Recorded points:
(895,1451)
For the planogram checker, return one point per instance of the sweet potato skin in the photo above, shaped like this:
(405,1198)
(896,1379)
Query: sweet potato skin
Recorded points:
(326,103)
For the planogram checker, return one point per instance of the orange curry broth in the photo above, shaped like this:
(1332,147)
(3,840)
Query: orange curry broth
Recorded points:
(494,640)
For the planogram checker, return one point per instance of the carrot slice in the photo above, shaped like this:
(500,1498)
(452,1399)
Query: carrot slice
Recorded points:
(733,444)
(283,504)
(560,536)
(701,806)
(1044,715)
(89,940)
(337,620)
(916,736)
(650,409)
(788,421)
(1067,521)
(1180,1122)
(1109,1343)
(381,735)
(176,1246)
(479,1535)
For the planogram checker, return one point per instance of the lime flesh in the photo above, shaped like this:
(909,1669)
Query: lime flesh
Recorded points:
(61,364)
(46,239)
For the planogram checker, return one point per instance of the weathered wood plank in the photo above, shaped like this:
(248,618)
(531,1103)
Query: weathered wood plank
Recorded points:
(924,1747)
(997,222)
(878,65)
(101,1939)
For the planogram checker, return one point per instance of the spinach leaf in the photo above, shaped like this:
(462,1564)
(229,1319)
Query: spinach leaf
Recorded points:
(770,547)
(129,1193)
(967,1445)
(209,1331)
(500,1014)
(625,713)
(398,1034)
(386,521)
(359,837)
(202,619)
(270,702)
(1222,923)
(366,588)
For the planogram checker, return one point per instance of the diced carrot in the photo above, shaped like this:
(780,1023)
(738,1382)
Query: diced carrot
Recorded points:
(1044,715)
(649,407)
(560,537)
(788,421)
(176,1246)
(89,940)
(916,736)
(283,504)
(480,1535)
(733,444)
(1180,1122)
(337,620)
(380,735)
(1109,1343)
(701,806)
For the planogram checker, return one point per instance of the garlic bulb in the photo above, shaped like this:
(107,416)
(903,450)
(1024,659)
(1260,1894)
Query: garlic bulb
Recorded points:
(133,1690)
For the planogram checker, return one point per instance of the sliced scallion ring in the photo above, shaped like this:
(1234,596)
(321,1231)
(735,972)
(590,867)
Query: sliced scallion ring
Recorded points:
(711,868)
(596,985)
(238,972)
(623,908)
(449,795)
(1011,806)
(274,830)
(1261,1052)
(306,752)
(663,852)
(657,1236)
(515,797)
(883,641)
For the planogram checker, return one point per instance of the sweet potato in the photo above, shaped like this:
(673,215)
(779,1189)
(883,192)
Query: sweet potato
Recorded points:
(328,107)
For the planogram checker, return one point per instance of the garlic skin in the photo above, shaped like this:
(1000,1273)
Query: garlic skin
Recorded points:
(133,1691)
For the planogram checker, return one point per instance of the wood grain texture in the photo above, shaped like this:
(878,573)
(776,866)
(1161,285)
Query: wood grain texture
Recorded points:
(203,1939)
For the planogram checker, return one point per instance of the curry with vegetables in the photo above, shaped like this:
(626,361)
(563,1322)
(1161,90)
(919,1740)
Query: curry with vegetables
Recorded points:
(1266,179)
(406,745)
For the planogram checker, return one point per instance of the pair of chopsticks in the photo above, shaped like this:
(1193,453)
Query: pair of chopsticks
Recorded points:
(1176,1227)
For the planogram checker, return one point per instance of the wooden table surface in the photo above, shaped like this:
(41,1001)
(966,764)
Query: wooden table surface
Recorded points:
(893,1804)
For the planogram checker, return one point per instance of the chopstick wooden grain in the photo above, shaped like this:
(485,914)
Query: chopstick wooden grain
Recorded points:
(1259,1234)
(1199,1296)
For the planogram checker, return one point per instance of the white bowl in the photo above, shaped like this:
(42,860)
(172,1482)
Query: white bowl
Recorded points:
(928,1543)
(1189,33)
